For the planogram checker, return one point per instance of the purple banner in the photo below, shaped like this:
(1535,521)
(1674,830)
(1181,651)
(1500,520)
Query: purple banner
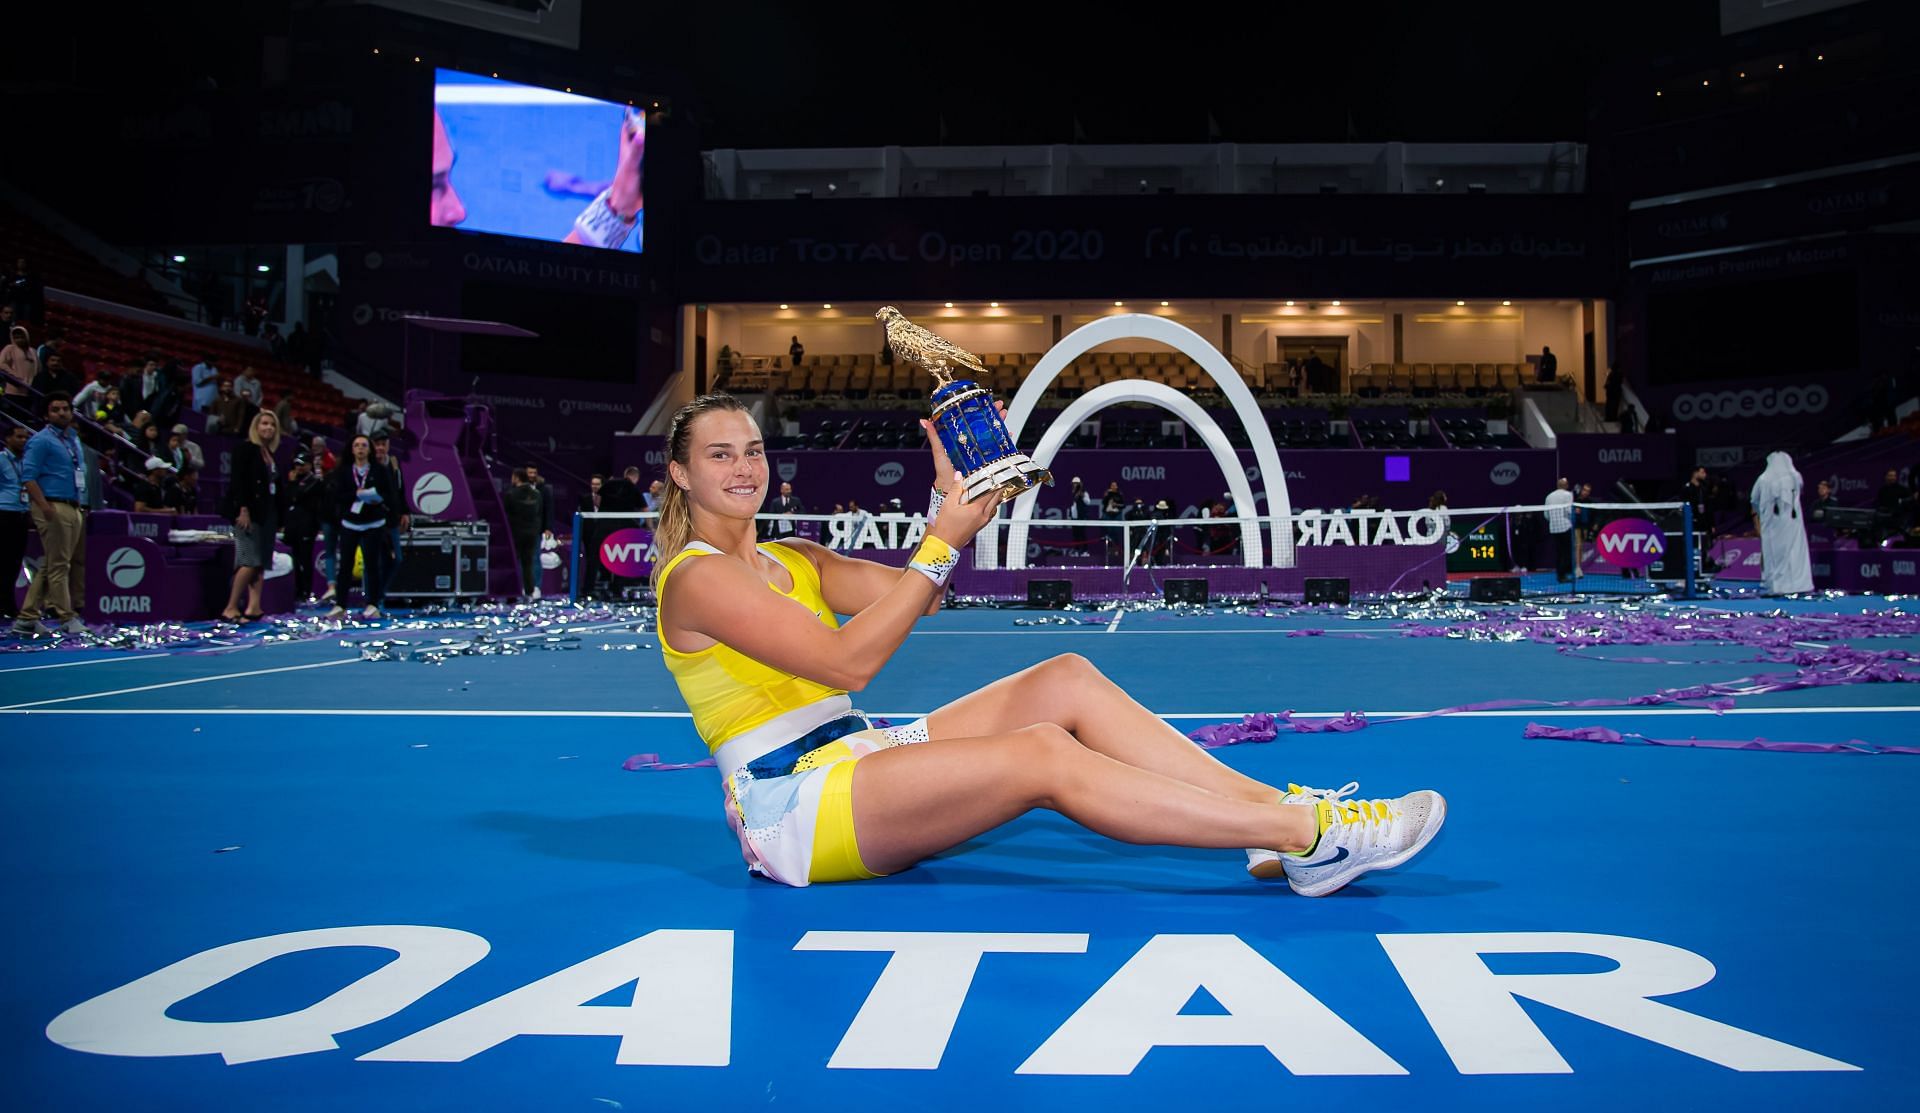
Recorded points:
(1603,459)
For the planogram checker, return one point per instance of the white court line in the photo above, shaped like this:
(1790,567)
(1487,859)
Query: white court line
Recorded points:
(288,668)
(178,683)
(1115,624)
(899,716)
(78,664)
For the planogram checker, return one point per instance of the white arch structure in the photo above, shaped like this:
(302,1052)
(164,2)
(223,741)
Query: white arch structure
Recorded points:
(1176,403)
(1142,326)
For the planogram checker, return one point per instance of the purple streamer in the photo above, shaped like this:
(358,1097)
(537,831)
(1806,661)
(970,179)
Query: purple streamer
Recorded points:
(1614,737)
(651,763)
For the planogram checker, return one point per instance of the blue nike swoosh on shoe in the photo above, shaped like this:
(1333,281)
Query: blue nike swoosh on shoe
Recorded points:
(1344,852)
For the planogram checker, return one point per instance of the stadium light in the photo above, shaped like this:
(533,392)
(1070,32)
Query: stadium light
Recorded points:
(949,305)
(263,268)
(1459,303)
(828,305)
(1163,304)
(1289,301)
(994,304)
(783,305)
(1336,301)
(179,258)
(1117,304)
(1506,303)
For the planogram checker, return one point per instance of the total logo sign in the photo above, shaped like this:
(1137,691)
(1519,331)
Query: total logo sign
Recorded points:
(432,493)
(126,570)
(1631,543)
(628,553)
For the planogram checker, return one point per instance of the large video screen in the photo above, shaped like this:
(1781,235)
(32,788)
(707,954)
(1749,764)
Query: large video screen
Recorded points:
(520,160)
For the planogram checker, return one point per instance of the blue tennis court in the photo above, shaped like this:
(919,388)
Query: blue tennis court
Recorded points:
(497,915)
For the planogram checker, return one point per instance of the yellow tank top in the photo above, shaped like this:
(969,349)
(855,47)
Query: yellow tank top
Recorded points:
(730,692)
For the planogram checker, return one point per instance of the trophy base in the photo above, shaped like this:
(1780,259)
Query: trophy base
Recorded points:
(1010,475)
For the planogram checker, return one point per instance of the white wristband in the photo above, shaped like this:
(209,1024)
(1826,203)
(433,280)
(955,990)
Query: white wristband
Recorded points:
(934,559)
(600,226)
(934,504)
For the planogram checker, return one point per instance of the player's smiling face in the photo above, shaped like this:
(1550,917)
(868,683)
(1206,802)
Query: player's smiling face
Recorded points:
(726,468)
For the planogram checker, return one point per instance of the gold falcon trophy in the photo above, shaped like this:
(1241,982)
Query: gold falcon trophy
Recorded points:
(970,427)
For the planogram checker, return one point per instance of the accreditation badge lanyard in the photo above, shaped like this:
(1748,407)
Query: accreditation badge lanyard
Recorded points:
(360,480)
(19,475)
(79,469)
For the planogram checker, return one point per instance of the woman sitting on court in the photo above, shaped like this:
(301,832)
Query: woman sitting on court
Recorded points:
(816,794)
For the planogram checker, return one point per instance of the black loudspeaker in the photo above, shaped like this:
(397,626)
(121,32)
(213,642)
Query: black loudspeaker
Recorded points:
(1187,591)
(1495,589)
(1049,594)
(1328,590)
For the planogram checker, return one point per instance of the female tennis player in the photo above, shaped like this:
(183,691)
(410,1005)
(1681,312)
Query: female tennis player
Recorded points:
(816,793)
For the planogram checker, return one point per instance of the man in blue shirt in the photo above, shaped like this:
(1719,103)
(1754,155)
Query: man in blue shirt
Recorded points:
(13,514)
(57,481)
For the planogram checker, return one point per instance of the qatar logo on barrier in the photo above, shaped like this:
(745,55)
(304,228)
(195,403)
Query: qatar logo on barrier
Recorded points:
(126,568)
(889,473)
(432,493)
(1505,474)
(1631,543)
(628,552)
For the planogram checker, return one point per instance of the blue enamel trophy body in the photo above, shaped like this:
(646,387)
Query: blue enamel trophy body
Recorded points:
(970,427)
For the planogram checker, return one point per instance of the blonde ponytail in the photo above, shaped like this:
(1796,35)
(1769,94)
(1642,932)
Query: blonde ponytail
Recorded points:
(675,525)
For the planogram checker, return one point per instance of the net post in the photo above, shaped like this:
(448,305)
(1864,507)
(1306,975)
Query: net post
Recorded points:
(573,560)
(1687,553)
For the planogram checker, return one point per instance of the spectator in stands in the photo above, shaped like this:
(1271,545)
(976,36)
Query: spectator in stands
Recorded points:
(181,451)
(150,494)
(546,499)
(276,343)
(590,502)
(14,516)
(372,419)
(321,456)
(1823,501)
(1549,366)
(1081,508)
(307,498)
(1320,377)
(283,409)
(1895,503)
(56,479)
(525,520)
(621,494)
(247,386)
(1222,537)
(786,503)
(229,412)
(255,315)
(55,342)
(206,383)
(19,362)
(54,376)
(1560,529)
(398,520)
(185,490)
(796,350)
(1616,393)
(253,505)
(363,496)
(656,494)
(24,291)
(860,520)
(298,344)
(147,387)
(107,409)
(151,441)
(8,319)
(102,382)
(1437,505)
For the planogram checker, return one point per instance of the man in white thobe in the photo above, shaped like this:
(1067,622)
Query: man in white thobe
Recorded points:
(1785,568)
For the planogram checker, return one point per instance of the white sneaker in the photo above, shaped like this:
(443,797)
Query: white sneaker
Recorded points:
(328,597)
(535,597)
(75,626)
(1363,835)
(338,611)
(371,612)
(1266,864)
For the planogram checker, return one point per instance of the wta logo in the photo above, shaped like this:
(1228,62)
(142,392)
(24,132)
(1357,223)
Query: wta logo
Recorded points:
(1631,543)
(628,552)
